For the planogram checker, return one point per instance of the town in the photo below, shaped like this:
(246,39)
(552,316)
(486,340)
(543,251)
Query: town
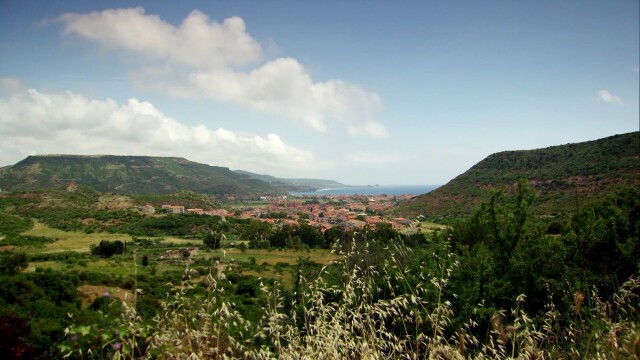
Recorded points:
(351,211)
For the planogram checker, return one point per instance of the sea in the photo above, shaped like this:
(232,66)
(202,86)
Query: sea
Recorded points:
(373,190)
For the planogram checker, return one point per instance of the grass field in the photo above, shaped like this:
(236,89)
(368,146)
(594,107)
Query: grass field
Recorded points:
(80,242)
(273,257)
(179,241)
(427,226)
(88,293)
(283,277)
(69,240)
(123,265)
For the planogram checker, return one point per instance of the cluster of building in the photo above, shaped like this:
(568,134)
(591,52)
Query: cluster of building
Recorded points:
(351,211)
(179,209)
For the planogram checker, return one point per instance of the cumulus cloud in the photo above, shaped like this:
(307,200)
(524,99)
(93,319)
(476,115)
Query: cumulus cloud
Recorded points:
(608,97)
(222,61)
(197,42)
(34,122)
(283,87)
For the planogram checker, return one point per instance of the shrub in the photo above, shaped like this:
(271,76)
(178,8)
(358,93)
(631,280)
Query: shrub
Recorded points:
(13,263)
(388,310)
(108,248)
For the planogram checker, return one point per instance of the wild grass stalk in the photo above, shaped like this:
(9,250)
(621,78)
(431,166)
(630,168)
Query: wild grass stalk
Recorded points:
(379,311)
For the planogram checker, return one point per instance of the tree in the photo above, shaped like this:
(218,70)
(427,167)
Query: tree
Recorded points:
(383,232)
(605,238)
(13,263)
(256,231)
(108,248)
(213,239)
(311,235)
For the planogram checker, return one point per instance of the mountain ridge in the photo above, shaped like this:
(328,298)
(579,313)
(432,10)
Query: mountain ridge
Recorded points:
(563,177)
(295,184)
(128,174)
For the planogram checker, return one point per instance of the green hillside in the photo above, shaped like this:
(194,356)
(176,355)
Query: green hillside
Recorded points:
(129,175)
(564,177)
(295,184)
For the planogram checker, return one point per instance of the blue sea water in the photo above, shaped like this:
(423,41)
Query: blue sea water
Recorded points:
(374,190)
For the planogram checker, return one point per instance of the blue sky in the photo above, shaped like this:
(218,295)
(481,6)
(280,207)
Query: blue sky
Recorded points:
(363,92)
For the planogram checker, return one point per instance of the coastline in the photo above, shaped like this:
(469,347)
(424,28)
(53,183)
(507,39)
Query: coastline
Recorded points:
(371,190)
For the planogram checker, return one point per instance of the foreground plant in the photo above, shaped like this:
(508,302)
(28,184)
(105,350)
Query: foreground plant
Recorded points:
(355,321)
(383,311)
(210,328)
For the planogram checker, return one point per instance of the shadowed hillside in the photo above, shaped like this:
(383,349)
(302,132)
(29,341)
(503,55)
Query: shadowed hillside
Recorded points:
(564,177)
(129,175)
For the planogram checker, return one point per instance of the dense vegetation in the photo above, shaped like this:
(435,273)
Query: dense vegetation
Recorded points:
(500,283)
(129,175)
(563,177)
(188,199)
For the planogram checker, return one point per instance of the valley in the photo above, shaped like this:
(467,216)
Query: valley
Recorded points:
(77,264)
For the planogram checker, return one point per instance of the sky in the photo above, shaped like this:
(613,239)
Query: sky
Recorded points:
(362,92)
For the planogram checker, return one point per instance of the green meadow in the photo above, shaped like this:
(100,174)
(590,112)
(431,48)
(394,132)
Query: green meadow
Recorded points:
(125,265)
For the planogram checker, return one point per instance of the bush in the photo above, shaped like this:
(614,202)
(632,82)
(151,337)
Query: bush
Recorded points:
(108,248)
(13,263)
(555,228)
(26,240)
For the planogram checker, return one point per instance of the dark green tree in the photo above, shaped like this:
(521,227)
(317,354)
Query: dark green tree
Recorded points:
(108,248)
(213,239)
(13,263)
(604,240)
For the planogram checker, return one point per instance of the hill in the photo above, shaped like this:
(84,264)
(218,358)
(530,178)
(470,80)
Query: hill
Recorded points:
(129,175)
(563,177)
(288,185)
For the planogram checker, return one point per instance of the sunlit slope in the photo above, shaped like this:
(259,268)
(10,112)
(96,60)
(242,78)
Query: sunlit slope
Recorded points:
(128,175)
(564,177)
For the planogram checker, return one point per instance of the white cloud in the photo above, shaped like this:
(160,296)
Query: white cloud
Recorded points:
(197,42)
(202,58)
(34,122)
(608,97)
(283,87)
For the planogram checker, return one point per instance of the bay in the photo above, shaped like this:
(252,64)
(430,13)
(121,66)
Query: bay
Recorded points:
(373,190)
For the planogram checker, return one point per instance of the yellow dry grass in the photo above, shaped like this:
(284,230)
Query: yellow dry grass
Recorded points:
(70,240)
(273,257)
(285,277)
(427,226)
(179,241)
(88,293)
(80,242)
(50,264)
